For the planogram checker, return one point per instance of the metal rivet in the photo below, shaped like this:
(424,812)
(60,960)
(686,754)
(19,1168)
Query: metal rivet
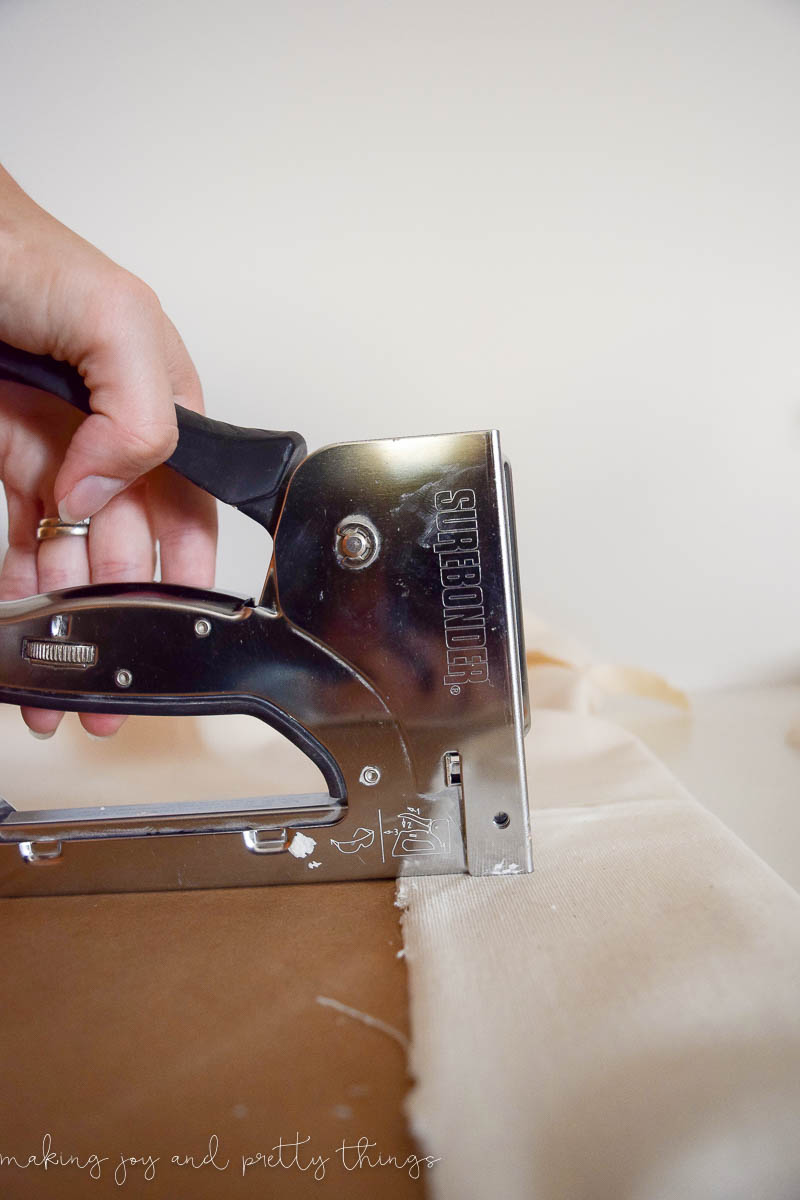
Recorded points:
(357,542)
(123,678)
(202,627)
(370,776)
(353,545)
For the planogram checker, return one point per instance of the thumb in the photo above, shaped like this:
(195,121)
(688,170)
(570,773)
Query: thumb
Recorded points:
(132,427)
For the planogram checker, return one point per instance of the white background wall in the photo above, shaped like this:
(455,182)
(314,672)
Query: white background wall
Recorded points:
(577,221)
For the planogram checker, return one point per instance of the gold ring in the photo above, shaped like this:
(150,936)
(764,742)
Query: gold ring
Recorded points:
(52,527)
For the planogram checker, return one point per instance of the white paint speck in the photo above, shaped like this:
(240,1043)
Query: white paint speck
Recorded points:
(504,868)
(312,866)
(400,954)
(301,845)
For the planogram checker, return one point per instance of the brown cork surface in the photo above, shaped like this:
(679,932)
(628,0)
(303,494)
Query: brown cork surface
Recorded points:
(142,1026)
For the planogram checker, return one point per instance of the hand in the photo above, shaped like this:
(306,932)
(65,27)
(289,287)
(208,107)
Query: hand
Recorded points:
(61,296)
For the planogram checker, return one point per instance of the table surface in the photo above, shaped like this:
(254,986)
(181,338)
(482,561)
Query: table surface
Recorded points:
(147,1024)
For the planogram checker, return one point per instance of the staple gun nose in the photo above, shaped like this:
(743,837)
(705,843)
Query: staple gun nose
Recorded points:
(386,643)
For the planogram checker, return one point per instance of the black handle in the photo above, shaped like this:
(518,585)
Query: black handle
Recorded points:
(248,468)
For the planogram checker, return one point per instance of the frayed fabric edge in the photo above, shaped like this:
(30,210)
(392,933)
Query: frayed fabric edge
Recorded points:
(405,891)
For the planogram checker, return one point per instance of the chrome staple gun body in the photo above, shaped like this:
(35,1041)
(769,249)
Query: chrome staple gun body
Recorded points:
(386,645)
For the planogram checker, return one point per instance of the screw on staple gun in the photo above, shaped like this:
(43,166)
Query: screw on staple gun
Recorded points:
(386,645)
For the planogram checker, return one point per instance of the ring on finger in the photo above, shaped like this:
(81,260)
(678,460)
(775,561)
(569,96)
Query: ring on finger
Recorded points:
(53,527)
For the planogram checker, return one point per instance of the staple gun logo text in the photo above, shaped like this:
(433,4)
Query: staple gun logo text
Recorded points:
(457,544)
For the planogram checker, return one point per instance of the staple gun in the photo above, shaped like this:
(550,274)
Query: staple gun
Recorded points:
(386,644)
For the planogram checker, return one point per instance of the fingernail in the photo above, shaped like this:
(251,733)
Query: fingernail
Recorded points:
(41,737)
(88,496)
(100,737)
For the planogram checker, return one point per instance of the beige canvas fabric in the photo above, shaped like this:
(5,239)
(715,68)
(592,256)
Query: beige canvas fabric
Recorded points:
(624,1024)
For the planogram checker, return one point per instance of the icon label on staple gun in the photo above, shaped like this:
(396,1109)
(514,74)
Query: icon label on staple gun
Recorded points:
(414,834)
(458,546)
(362,840)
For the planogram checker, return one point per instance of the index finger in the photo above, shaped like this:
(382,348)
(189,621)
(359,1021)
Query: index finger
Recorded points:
(132,427)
